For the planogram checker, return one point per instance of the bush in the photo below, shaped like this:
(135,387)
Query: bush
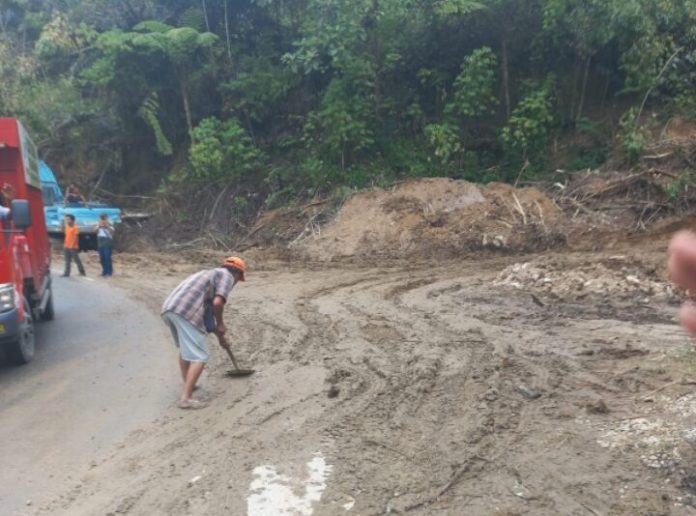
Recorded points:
(222,149)
(526,136)
(632,135)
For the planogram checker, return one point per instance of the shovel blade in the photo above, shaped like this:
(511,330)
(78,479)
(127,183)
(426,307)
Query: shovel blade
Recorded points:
(239,373)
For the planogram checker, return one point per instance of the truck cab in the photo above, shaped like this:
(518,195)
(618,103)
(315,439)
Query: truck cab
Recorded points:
(26,293)
(86,214)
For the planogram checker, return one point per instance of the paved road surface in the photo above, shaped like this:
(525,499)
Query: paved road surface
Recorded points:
(103,368)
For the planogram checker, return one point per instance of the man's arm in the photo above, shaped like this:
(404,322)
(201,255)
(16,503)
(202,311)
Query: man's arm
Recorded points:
(218,307)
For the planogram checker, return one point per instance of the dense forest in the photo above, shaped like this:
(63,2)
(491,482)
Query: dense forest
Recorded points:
(275,99)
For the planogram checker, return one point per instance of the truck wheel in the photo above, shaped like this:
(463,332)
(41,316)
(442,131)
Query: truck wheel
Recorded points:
(49,314)
(22,350)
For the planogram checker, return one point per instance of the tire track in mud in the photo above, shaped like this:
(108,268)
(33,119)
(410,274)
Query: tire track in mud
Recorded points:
(400,398)
(474,384)
(522,365)
(386,397)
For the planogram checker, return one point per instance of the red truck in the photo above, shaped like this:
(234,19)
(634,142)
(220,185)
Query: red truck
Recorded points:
(25,251)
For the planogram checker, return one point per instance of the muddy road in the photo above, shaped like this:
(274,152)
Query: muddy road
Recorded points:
(95,378)
(549,384)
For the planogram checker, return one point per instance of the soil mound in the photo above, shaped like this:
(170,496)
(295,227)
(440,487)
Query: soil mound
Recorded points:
(614,276)
(436,217)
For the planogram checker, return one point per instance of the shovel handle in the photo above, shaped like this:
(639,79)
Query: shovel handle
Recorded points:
(226,346)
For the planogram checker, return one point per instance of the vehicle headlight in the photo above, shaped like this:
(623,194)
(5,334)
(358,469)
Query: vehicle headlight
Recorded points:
(8,298)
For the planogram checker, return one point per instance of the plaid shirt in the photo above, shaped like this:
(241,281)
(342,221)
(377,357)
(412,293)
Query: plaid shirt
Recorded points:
(187,300)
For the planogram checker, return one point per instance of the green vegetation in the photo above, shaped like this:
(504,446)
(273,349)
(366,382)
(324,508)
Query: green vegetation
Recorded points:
(284,98)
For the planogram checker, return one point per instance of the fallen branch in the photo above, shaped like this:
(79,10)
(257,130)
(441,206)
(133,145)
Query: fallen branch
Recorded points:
(683,381)
(658,156)
(310,227)
(541,212)
(315,203)
(617,185)
(520,209)
(250,234)
(218,241)
(504,222)
(99,181)
(519,176)
(215,204)
(185,244)
(456,477)
(123,196)
(372,442)
(665,173)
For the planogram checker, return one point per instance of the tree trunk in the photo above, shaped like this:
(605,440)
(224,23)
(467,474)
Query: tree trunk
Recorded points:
(583,90)
(605,91)
(506,76)
(227,34)
(187,110)
(379,64)
(205,15)
(574,90)
(2,27)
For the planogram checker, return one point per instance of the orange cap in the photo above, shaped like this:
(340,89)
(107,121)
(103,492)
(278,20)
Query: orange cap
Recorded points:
(236,263)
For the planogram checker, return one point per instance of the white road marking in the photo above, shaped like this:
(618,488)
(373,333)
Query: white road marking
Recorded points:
(272,494)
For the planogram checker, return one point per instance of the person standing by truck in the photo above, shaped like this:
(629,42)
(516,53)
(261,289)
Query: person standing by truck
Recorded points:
(105,244)
(71,246)
(6,196)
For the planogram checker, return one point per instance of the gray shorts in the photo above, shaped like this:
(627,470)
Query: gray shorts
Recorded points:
(190,340)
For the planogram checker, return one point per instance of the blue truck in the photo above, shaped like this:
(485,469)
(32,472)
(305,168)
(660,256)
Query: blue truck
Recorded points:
(86,213)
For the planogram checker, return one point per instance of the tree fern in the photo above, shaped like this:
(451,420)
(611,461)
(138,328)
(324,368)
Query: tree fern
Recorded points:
(148,112)
(457,7)
(193,18)
(152,26)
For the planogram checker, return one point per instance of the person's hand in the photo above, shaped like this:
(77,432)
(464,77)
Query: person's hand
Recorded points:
(220,330)
(222,341)
(681,265)
(8,191)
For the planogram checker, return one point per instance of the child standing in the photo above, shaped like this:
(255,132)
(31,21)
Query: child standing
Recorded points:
(105,244)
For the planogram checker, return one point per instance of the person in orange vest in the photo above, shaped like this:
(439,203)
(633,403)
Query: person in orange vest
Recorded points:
(71,246)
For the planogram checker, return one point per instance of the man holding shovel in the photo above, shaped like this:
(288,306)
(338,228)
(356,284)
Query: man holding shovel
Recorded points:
(184,311)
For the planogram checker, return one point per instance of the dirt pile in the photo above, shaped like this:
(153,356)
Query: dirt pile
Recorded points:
(614,276)
(435,217)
